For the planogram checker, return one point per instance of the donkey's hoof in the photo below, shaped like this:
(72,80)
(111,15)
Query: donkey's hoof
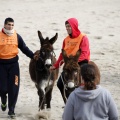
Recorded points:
(43,115)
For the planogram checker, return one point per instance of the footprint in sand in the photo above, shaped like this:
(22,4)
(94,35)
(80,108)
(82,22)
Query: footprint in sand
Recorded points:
(98,37)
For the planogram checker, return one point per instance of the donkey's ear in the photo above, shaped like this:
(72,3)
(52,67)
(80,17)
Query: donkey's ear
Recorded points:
(77,55)
(53,39)
(40,37)
(65,57)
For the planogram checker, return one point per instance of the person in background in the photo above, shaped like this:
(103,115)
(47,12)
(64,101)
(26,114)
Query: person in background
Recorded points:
(10,41)
(76,40)
(91,101)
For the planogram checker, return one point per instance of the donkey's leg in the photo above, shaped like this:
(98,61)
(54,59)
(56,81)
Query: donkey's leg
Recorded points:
(48,97)
(61,88)
(41,99)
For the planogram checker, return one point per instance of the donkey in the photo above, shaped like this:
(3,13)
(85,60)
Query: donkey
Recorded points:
(39,70)
(71,75)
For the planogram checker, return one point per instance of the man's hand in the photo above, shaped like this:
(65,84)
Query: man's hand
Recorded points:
(36,55)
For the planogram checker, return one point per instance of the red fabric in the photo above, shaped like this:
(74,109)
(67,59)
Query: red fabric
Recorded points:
(82,84)
(3,30)
(85,50)
(58,62)
(84,46)
(74,25)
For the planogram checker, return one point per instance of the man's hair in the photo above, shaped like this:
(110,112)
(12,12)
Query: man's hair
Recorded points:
(8,20)
(66,22)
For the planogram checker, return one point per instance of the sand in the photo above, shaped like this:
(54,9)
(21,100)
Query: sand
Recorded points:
(98,19)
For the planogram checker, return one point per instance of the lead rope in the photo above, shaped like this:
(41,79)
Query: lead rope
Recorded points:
(45,92)
(64,94)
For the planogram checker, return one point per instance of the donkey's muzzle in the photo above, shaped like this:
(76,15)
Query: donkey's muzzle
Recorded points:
(71,84)
(48,62)
(48,66)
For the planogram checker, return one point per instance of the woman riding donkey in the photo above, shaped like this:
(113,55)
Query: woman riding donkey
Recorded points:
(72,43)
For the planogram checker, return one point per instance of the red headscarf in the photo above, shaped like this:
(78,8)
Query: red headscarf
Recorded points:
(74,25)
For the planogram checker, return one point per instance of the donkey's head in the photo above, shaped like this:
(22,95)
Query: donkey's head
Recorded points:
(71,70)
(46,50)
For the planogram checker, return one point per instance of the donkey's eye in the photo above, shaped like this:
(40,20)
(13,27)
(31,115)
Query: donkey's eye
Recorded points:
(75,73)
(66,73)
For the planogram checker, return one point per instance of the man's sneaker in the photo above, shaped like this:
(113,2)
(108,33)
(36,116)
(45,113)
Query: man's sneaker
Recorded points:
(3,100)
(3,107)
(11,115)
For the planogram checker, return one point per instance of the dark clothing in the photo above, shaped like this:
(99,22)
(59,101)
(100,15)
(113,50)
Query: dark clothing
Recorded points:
(83,62)
(9,82)
(60,83)
(10,75)
(22,46)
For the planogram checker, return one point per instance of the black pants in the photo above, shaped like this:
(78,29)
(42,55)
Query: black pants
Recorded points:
(60,83)
(9,83)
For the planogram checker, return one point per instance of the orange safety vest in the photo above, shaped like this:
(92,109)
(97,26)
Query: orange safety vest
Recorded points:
(72,45)
(8,46)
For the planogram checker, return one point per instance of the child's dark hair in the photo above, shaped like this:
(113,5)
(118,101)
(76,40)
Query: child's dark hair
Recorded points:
(8,20)
(88,73)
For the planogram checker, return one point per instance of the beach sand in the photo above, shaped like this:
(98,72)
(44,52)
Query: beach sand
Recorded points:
(98,19)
